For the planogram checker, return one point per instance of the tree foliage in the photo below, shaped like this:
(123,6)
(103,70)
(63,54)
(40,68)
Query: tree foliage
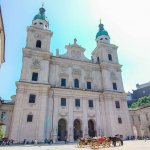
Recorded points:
(1,132)
(141,102)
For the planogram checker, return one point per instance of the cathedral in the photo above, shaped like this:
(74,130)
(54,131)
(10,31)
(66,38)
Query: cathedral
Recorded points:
(68,95)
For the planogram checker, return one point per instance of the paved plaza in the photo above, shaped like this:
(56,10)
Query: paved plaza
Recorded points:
(128,145)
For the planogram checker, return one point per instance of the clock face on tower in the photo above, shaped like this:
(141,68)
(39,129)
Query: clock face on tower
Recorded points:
(36,35)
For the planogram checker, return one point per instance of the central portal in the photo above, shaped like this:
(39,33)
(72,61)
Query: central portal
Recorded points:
(91,129)
(77,129)
(62,132)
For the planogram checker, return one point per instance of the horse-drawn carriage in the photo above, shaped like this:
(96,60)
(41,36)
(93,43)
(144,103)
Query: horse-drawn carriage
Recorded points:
(98,142)
(94,142)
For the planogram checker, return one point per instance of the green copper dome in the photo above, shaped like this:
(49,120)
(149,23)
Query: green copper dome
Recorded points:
(101,31)
(41,15)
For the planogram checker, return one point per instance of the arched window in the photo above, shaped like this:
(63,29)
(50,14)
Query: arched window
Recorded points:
(119,120)
(29,117)
(76,83)
(109,57)
(38,43)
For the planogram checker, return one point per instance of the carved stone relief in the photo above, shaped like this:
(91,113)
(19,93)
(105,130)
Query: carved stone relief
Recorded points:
(113,76)
(36,63)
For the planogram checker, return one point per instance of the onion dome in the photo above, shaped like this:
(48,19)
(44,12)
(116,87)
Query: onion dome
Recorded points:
(101,31)
(41,15)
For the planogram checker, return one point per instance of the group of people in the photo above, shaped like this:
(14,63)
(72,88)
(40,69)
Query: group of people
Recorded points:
(6,141)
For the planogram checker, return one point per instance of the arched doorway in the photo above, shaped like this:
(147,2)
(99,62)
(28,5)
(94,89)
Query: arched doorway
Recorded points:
(91,129)
(77,129)
(62,132)
(2,130)
(135,131)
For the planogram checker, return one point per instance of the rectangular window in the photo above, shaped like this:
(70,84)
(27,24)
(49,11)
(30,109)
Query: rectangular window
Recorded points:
(114,86)
(3,115)
(32,98)
(91,103)
(29,118)
(119,120)
(77,102)
(110,57)
(63,101)
(117,104)
(88,85)
(34,76)
(63,82)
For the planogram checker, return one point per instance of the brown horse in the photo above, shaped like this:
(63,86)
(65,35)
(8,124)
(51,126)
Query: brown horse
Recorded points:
(115,140)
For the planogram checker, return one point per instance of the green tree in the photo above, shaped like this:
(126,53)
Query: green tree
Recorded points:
(1,132)
(141,102)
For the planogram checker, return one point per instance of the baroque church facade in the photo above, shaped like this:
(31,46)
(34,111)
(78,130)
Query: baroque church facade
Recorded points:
(68,95)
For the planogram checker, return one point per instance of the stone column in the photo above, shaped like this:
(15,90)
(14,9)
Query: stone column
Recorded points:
(42,117)
(85,119)
(55,119)
(70,120)
(98,116)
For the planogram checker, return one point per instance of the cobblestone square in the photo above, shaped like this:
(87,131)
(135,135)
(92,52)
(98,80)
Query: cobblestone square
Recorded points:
(128,145)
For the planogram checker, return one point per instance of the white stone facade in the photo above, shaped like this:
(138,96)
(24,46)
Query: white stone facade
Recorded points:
(58,100)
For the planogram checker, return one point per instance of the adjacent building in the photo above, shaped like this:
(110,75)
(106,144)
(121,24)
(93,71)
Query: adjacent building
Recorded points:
(68,95)
(140,120)
(141,91)
(6,111)
(2,40)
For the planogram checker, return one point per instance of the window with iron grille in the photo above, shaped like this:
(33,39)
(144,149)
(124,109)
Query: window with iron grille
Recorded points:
(63,101)
(91,103)
(77,102)
(114,86)
(76,83)
(29,118)
(117,104)
(110,57)
(119,120)
(34,76)
(88,85)
(63,82)
(32,98)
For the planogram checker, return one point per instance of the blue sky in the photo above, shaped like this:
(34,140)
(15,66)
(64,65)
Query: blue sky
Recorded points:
(126,21)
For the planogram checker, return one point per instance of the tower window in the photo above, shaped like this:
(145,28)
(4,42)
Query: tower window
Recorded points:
(32,99)
(35,23)
(38,43)
(91,103)
(41,23)
(88,85)
(76,83)
(106,39)
(34,76)
(110,57)
(119,120)
(63,82)
(77,102)
(63,101)
(101,38)
(29,118)
(117,104)
(114,86)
